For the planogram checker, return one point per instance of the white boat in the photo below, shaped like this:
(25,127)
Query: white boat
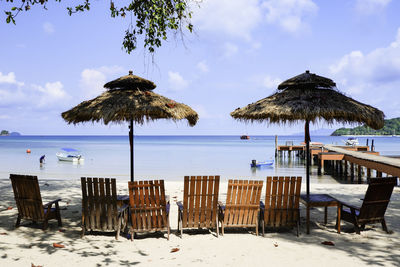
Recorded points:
(69,154)
(351,141)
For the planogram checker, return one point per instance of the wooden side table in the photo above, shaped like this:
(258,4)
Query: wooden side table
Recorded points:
(320,200)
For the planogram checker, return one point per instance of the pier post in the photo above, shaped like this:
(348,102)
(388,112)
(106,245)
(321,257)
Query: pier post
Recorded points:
(276,146)
(352,171)
(341,169)
(368,173)
(372,145)
(320,166)
(378,174)
(346,173)
(359,173)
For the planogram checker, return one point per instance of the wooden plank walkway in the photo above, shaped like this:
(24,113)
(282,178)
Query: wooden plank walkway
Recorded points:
(381,164)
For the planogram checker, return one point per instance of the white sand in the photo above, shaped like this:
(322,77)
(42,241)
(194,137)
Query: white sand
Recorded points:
(29,244)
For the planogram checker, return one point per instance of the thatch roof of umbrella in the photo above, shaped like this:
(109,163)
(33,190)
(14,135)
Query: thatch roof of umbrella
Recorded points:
(130,98)
(289,106)
(309,97)
(307,80)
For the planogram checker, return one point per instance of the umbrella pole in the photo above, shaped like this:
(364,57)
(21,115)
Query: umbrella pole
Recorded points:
(131,145)
(307,140)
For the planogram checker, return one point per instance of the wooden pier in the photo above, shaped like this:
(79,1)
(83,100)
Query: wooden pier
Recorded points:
(340,159)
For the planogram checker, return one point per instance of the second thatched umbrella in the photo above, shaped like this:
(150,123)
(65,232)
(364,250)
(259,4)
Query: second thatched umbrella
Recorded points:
(130,98)
(309,97)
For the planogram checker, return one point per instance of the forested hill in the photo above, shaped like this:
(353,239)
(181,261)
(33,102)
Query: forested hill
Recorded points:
(392,127)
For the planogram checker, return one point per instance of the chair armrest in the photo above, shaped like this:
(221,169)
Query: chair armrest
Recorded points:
(123,208)
(348,205)
(51,203)
(221,206)
(180,205)
(122,197)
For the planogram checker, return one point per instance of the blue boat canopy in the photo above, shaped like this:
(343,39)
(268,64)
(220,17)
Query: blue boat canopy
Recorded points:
(66,149)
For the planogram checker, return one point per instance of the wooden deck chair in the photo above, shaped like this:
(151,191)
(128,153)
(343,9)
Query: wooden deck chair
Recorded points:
(374,205)
(281,207)
(242,205)
(199,206)
(29,201)
(148,206)
(100,209)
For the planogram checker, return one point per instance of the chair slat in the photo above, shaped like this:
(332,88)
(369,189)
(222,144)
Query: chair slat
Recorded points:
(185,202)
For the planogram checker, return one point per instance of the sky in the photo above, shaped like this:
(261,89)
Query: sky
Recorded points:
(240,51)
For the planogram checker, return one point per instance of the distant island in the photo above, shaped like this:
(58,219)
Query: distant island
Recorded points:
(392,127)
(7,133)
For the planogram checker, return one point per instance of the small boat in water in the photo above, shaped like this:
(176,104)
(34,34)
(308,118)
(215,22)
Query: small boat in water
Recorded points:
(69,154)
(255,163)
(351,141)
(245,137)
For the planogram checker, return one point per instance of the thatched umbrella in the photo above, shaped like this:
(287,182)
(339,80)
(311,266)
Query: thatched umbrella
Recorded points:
(309,97)
(130,98)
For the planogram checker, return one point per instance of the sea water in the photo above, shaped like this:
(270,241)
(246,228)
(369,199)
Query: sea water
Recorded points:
(162,157)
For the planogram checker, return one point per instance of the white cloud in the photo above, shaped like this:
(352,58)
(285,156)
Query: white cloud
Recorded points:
(381,65)
(4,117)
(235,18)
(202,66)
(270,82)
(51,94)
(48,28)
(368,7)
(176,81)
(10,79)
(33,97)
(373,76)
(230,49)
(289,14)
(93,80)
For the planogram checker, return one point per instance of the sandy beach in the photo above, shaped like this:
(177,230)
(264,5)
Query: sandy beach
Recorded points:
(28,244)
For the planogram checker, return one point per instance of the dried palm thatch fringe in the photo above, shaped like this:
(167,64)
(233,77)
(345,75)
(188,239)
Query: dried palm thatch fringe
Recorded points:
(289,106)
(129,104)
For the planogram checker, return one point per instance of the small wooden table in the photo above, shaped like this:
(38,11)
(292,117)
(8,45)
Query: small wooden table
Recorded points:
(320,200)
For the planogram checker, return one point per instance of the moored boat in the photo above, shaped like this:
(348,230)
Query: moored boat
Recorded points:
(69,154)
(351,141)
(245,137)
(255,163)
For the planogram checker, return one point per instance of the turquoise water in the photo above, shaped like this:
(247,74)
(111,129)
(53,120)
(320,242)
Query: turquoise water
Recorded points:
(160,157)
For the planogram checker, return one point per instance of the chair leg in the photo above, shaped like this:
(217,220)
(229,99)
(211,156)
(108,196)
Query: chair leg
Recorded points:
(222,228)
(257,228)
(263,228)
(168,227)
(298,227)
(356,227)
(58,215)
(45,224)
(83,231)
(18,221)
(216,221)
(384,227)
(118,226)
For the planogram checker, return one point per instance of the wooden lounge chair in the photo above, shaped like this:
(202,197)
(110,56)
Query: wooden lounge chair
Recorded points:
(281,207)
(100,209)
(242,205)
(374,205)
(29,201)
(200,200)
(148,206)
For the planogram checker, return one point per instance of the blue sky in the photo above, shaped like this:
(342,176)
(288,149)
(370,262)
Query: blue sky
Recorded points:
(240,51)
